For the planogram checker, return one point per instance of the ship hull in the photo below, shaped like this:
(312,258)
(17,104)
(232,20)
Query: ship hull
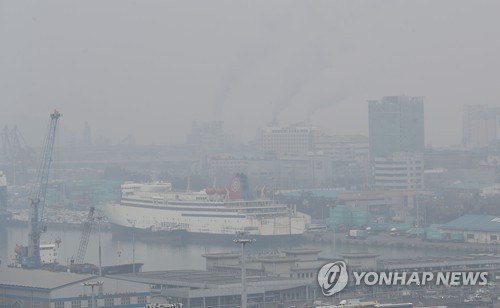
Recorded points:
(152,210)
(212,221)
(129,233)
(183,236)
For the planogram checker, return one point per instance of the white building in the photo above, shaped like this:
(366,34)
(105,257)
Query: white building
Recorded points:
(287,140)
(402,170)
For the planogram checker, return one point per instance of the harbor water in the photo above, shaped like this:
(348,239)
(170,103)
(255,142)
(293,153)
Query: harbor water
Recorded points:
(173,255)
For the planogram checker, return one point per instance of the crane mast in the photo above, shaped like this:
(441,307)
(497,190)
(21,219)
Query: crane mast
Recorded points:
(84,239)
(38,193)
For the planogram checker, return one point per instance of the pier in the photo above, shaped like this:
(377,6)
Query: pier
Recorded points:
(386,240)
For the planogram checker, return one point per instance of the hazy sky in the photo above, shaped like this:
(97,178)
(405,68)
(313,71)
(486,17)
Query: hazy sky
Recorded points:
(150,68)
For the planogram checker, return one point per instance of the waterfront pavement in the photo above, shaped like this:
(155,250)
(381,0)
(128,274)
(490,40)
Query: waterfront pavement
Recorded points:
(387,240)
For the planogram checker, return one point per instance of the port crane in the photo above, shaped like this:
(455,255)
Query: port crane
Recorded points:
(84,239)
(37,197)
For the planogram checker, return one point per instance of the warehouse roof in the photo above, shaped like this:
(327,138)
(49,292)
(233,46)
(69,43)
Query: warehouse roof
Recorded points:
(39,279)
(198,279)
(196,284)
(484,223)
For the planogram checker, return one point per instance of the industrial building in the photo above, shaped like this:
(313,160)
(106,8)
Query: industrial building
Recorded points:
(379,202)
(273,280)
(290,263)
(44,289)
(483,229)
(194,288)
(356,209)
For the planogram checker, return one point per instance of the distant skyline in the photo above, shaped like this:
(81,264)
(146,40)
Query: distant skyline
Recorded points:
(152,68)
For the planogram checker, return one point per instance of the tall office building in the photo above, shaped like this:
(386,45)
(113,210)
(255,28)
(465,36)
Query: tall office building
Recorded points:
(396,124)
(480,125)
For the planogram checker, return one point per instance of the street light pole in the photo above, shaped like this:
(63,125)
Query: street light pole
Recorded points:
(242,238)
(99,220)
(92,284)
(132,222)
(418,209)
(133,249)
(119,253)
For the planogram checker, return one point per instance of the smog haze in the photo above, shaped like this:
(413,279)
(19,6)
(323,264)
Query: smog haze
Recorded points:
(151,68)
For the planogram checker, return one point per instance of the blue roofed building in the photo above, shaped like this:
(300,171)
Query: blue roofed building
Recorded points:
(484,229)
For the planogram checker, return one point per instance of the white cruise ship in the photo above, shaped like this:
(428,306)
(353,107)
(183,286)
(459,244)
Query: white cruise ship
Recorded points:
(155,208)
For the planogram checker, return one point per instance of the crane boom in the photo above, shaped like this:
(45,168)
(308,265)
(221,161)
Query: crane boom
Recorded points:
(84,239)
(38,193)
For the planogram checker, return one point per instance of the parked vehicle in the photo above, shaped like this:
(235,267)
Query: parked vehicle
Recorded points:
(358,234)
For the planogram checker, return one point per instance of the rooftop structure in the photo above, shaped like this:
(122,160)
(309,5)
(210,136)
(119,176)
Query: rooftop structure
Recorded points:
(44,289)
(485,223)
(194,288)
(302,254)
(483,229)
(294,263)
(39,279)
(360,260)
